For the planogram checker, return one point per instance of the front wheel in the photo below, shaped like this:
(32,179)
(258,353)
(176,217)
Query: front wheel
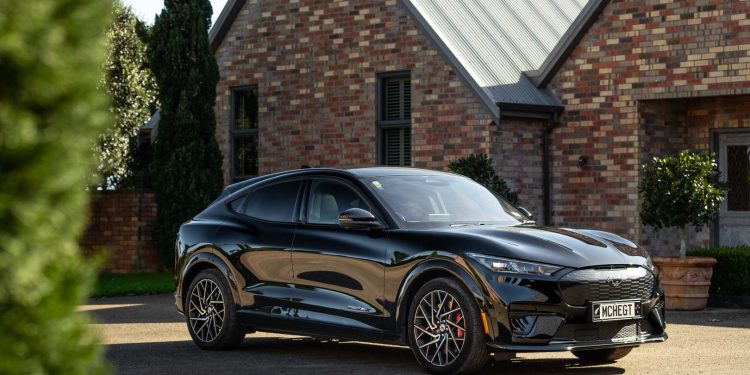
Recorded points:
(445,328)
(601,355)
(211,313)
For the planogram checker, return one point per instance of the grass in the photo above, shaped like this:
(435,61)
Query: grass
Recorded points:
(112,285)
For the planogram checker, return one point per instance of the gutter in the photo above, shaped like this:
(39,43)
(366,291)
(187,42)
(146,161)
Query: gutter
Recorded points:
(551,114)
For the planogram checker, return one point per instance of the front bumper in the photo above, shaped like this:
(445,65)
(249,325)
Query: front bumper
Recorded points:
(533,315)
(556,346)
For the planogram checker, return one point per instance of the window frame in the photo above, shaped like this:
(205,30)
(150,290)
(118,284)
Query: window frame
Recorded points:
(246,196)
(304,218)
(235,133)
(382,124)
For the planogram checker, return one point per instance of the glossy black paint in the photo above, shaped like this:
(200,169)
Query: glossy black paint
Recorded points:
(325,280)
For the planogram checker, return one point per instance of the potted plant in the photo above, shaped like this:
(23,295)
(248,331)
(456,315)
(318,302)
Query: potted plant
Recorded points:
(679,191)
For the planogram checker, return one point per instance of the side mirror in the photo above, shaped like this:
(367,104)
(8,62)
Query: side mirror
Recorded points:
(529,215)
(357,218)
(526,212)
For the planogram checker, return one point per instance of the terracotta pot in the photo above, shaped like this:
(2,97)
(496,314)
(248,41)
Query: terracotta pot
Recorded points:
(685,281)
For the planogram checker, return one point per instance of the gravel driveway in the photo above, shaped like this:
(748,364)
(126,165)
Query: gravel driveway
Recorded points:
(146,335)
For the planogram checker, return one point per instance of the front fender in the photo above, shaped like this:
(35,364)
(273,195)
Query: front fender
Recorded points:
(456,267)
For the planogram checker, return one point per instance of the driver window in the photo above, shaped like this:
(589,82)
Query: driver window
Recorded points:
(328,199)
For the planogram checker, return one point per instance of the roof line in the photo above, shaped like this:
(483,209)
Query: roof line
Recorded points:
(224,22)
(542,76)
(425,27)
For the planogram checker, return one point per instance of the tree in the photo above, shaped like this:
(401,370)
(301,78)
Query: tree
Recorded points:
(132,89)
(187,160)
(480,169)
(51,113)
(681,190)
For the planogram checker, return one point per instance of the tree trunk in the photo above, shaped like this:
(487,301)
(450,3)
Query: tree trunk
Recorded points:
(683,242)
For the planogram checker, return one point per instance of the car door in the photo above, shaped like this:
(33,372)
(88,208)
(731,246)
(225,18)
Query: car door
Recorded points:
(259,235)
(339,273)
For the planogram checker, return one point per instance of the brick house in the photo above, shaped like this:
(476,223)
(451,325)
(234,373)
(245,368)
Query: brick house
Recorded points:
(568,96)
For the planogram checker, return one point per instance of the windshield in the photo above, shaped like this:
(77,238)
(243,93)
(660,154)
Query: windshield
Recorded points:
(442,200)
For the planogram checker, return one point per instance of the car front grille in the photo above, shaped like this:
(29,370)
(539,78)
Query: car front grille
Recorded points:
(606,284)
(603,331)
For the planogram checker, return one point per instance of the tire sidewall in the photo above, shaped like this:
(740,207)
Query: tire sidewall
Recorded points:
(475,345)
(230,310)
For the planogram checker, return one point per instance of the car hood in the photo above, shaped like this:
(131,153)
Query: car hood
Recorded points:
(573,248)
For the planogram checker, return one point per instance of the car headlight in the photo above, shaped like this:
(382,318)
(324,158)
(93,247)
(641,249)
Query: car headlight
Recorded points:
(514,266)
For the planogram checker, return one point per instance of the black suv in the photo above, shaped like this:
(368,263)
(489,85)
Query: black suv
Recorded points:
(428,259)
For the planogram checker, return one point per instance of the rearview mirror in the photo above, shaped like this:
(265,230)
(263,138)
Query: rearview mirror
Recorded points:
(357,218)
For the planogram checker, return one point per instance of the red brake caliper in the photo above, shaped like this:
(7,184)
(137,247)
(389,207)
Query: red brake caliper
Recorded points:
(459,332)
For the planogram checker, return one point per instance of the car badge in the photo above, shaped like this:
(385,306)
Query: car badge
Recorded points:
(614,282)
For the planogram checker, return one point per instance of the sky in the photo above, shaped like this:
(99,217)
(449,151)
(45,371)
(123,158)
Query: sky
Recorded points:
(147,9)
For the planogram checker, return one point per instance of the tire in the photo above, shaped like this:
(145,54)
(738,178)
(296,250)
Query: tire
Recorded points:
(462,324)
(208,298)
(602,355)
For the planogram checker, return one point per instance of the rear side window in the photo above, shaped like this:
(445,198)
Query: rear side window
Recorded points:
(273,203)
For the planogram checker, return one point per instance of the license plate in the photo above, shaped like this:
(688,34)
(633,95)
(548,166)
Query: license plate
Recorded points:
(615,310)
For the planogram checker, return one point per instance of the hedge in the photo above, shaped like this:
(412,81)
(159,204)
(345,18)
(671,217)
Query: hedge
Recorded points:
(732,270)
(51,113)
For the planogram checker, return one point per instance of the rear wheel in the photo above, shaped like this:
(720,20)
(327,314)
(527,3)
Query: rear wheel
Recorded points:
(211,313)
(445,328)
(602,355)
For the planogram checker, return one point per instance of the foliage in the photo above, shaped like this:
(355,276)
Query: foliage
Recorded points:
(112,285)
(681,190)
(132,89)
(187,160)
(51,113)
(480,169)
(731,272)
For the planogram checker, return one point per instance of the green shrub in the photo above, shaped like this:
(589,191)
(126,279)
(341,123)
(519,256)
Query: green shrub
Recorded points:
(112,285)
(132,90)
(51,113)
(732,270)
(187,160)
(681,190)
(479,167)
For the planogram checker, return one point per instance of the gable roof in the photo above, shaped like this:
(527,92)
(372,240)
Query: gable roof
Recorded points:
(505,50)
(223,22)
(493,42)
(568,42)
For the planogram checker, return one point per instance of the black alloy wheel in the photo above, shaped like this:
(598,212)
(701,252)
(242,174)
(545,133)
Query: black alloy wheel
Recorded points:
(211,313)
(446,333)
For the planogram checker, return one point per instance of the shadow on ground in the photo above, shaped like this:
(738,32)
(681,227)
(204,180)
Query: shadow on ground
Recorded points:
(305,355)
(142,309)
(732,318)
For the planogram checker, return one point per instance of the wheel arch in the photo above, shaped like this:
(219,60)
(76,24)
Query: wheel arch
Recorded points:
(429,270)
(201,261)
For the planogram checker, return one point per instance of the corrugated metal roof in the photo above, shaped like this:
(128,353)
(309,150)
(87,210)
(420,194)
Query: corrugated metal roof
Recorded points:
(495,41)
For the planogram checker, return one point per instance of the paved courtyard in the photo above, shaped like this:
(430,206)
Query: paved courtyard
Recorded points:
(146,335)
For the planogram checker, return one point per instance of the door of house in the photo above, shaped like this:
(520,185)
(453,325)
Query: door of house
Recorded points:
(734,161)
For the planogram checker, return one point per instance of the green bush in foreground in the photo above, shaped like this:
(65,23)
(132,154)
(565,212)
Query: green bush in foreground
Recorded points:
(480,169)
(731,272)
(51,53)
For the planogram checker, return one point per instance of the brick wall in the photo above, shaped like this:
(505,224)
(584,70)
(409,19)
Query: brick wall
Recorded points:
(517,152)
(639,51)
(121,226)
(316,65)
